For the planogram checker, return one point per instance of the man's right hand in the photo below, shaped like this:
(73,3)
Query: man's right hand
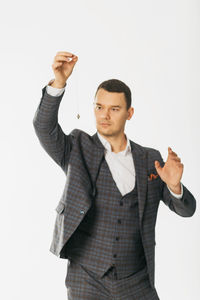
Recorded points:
(62,66)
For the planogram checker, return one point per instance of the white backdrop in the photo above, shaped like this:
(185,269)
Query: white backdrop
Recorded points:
(153,46)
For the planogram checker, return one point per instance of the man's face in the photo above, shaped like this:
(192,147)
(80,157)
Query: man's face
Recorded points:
(111,112)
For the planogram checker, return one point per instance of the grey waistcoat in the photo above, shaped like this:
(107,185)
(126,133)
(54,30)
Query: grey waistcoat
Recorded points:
(109,234)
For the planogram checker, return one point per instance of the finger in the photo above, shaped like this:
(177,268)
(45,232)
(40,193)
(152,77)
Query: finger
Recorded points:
(61,58)
(73,58)
(172,153)
(57,65)
(64,53)
(157,164)
(176,159)
(70,55)
(180,165)
(170,150)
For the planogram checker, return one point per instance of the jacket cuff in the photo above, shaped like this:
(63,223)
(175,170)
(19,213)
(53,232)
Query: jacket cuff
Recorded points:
(178,196)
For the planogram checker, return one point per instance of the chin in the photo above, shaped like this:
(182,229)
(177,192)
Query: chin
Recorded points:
(105,131)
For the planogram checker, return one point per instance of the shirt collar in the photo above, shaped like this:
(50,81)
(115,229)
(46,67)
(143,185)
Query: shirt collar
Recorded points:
(107,145)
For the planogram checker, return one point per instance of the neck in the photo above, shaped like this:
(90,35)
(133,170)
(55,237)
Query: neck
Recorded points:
(118,143)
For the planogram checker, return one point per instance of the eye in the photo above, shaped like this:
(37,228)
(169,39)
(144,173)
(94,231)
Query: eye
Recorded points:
(97,107)
(115,109)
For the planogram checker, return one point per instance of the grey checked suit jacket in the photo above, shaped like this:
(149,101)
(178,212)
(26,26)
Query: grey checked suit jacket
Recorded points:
(79,155)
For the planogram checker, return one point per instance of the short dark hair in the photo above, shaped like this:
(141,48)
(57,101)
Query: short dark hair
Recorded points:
(116,85)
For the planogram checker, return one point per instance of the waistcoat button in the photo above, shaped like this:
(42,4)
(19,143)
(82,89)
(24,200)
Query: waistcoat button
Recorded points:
(117,238)
(114,255)
(121,203)
(119,221)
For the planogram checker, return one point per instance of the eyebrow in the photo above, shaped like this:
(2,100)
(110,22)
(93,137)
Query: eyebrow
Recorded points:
(111,105)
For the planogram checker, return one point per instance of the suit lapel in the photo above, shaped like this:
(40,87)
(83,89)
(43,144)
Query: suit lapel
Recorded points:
(140,163)
(97,156)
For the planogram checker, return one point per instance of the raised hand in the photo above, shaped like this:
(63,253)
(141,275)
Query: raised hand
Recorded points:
(172,171)
(62,66)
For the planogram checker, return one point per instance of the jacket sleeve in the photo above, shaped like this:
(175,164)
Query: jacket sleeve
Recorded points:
(185,206)
(49,132)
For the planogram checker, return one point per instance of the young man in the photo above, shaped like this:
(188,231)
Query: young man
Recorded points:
(105,223)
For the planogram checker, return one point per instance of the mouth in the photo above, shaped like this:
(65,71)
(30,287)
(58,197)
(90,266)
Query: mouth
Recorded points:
(104,124)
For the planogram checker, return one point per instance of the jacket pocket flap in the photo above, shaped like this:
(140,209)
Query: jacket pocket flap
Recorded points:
(60,207)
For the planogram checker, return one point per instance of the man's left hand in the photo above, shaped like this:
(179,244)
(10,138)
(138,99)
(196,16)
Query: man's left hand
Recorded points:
(171,172)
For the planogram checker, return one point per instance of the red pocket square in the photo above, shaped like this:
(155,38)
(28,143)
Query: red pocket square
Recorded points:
(152,176)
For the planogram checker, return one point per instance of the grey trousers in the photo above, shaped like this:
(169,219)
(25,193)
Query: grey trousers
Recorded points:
(82,283)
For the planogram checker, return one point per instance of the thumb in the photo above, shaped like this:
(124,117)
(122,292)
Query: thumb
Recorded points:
(74,60)
(157,166)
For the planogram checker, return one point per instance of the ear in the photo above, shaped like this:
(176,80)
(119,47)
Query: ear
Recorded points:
(130,112)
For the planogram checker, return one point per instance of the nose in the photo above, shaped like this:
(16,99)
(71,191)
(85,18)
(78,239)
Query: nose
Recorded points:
(105,114)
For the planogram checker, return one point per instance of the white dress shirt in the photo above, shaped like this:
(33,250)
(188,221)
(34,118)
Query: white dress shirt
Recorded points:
(121,164)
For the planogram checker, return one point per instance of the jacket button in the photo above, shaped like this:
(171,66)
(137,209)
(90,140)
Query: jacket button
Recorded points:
(82,212)
(114,255)
(119,221)
(117,238)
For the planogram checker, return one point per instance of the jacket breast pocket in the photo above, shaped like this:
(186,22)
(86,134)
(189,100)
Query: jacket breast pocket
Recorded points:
(153,189)
(154,180)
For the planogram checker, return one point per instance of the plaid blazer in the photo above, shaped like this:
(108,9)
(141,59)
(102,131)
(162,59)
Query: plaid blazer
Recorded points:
(79,155)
